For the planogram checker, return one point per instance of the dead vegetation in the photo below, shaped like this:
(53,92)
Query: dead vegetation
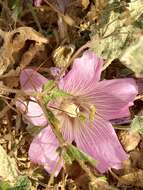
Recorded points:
(53,34)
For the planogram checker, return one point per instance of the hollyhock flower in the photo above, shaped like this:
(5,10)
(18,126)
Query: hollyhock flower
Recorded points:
(98,101)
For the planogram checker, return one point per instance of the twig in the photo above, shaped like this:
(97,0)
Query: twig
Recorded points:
(10,105)
(50,182)
(6,89)
(87,170)
(54,122)
(114,175)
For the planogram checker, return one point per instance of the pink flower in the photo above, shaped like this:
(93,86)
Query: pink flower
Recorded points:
(99,101)
(37,3)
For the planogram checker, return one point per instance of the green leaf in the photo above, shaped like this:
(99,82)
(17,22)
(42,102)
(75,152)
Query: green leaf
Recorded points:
(67,158)
(8,168)
(52,91)
(51,117)
(4,185)
(22,183)
(59,93)
(49,86)
(115,39)
(55,94)
(137,124)
(118,33)
(76,154)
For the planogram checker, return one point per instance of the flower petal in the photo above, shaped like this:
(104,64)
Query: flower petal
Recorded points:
(100,141)
(31,80)
(32,112)
(66,128)
(84,74)
(112,98)
(43,149)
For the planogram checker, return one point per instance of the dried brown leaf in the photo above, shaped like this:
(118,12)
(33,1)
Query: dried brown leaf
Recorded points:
(12,42)
(133,178)
(130,140)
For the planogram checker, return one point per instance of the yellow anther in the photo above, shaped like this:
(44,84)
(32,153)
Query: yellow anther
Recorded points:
(92,113)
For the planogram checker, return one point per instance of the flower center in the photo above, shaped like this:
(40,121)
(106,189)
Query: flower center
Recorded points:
(78,109)
(72,110)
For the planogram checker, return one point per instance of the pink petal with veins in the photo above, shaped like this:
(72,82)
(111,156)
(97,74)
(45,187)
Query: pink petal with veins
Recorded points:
(112,98)
(31,80)
(84,74)
(43,149)
(100,141)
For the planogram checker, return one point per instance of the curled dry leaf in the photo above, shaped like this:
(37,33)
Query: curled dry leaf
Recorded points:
(133,179)
(130,140)
(12,42)
(62,55)
(100,183)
